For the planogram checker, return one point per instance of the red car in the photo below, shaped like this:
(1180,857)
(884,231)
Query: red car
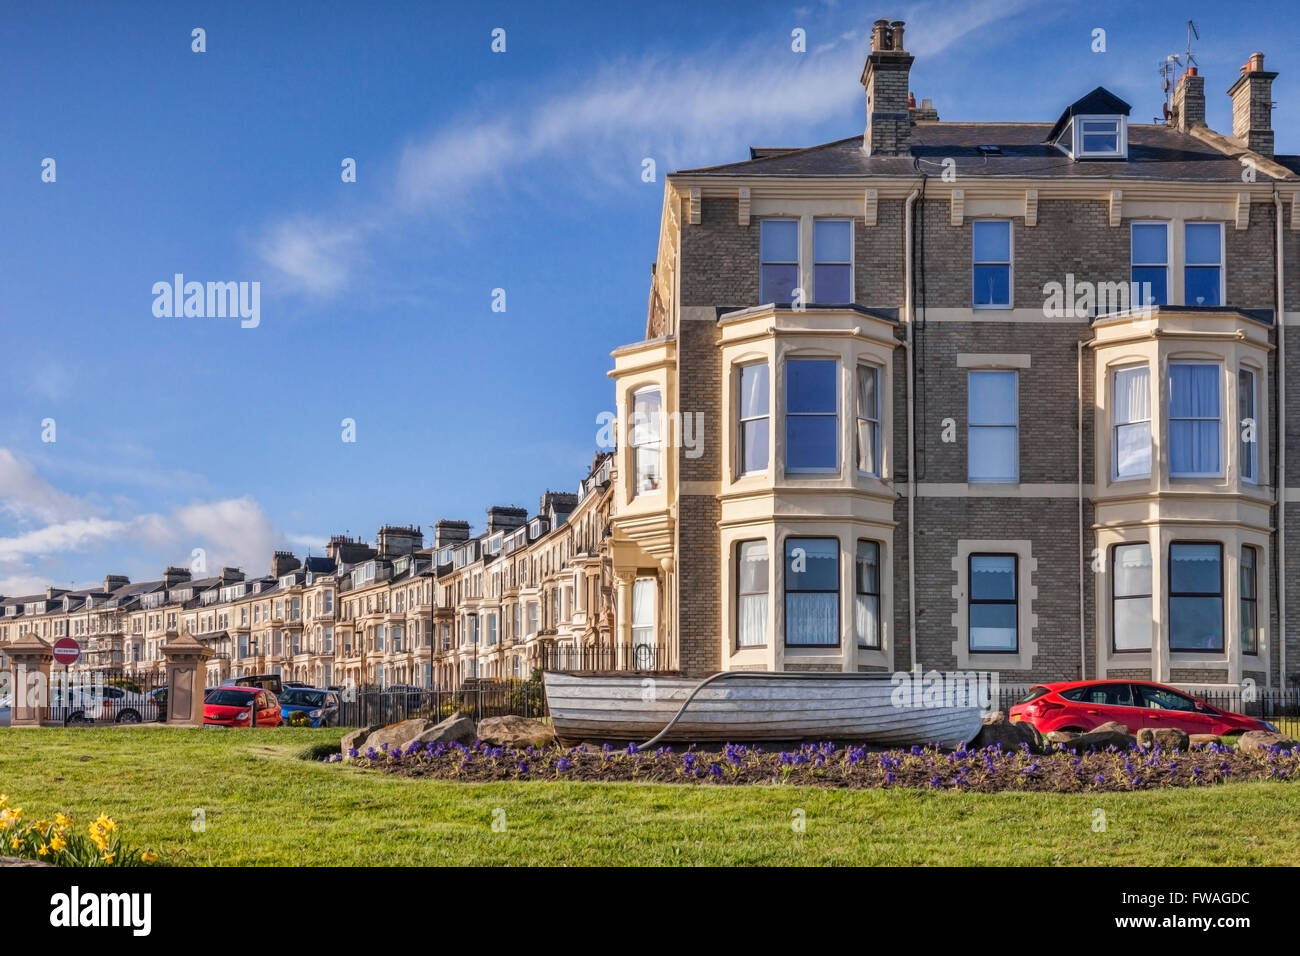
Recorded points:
(241,707)
(1084,705)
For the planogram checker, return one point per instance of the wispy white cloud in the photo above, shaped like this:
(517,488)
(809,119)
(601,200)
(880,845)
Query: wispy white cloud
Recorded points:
(697,108)
(26,496)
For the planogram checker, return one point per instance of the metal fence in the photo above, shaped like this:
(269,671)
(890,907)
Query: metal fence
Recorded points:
(477,699)
(108,696)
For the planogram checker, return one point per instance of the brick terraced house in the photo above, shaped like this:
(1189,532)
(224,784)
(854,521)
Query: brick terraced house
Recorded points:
(996,396)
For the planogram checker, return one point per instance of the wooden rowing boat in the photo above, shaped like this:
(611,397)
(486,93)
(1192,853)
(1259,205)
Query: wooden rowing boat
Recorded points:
(749,706)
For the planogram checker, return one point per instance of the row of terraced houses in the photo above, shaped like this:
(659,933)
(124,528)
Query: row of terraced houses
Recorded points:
(950,395)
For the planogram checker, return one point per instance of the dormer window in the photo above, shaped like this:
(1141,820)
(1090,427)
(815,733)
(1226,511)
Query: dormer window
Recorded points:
(1095,127)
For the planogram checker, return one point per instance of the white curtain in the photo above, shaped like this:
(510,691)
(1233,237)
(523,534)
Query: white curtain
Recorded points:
(752,605)
(643,612)
(811,618)
(868,418)
(1132,416)
(1194,410)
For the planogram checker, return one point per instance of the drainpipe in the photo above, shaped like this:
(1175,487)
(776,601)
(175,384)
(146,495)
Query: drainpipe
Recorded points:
(1281,439)
(1083,642)
(910,317)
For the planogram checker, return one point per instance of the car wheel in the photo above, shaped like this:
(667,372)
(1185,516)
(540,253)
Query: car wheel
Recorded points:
(77,717)
(128,717)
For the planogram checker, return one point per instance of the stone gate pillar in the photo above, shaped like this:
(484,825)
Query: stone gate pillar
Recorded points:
(30,657)
(186,670)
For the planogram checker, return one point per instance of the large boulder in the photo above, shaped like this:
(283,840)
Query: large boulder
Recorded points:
(1201,740)
(1167,738)
(398,734)
(357,738)
(1109,734)
(454,730)
(516,732)
(1060,736)
(1265,740)
(997,729)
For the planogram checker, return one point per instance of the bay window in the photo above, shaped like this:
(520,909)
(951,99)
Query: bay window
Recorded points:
(832,261)
(1203,263)
(1131,427)
(778,253)
(868,421)
(752,605)
(1149,258)
(1195,596)
(992,428)
(1195,420)
(812,592)
(647,441)
(753,426)
(867,606)
(991,263)
(993,608)
(811,415)
(1131,615)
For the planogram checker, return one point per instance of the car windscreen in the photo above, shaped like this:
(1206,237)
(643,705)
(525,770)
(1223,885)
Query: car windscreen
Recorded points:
(302,698)
(229,698)
(1034,694)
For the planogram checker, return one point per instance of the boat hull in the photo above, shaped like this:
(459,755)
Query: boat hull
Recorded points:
(746,708)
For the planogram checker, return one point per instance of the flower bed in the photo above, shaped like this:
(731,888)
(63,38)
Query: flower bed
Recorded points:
(988,770)
(61,843)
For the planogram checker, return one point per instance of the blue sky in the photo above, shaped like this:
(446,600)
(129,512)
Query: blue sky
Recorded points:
(475,170)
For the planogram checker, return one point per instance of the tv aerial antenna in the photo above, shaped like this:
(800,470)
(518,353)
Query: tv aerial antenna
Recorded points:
(1174,65)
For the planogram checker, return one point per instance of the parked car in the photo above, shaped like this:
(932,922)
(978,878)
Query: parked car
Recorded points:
(231,706)
(87,704)
(269,682)
(1085,705)
(320,706)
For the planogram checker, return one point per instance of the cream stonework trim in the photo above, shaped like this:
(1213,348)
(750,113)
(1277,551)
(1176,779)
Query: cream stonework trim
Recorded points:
(998,315)
(1031,207)
(699,313)
(870,205)
(957,213)
(1026,594)
(1053,489)
(1292,495)
(1116,206)
(992,360)
(742,207)
(1291,318)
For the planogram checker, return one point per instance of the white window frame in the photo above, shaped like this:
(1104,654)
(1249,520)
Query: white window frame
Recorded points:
(1013,424)
(1169,419)
(877,422)
(1116,424)
(816,295)
(741,420)
(1010,264)
(1168,263)
(1223,260)
(1253,458)
(634,446)
(1121,136)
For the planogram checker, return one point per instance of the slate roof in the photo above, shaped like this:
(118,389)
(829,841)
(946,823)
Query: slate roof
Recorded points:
(1154,153)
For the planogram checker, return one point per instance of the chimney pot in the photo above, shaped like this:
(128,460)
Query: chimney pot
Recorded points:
(911,100)
(1256,61)
(1193,71)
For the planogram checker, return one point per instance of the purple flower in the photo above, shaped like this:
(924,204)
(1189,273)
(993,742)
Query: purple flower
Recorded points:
(352,752)
(889,777)
(563,764)
(522,767)
(715,770)
(632,749)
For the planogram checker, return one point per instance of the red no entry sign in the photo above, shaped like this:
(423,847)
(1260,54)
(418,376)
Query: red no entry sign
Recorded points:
(66,650)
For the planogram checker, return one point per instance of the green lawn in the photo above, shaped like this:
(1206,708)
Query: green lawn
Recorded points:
(263,805)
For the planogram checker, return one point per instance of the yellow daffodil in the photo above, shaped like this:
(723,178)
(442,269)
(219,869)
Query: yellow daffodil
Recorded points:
(57,843)
(108,857)
(148,856)
(15,843)
(43,850)
(106,823)
(62,820)
(4,800)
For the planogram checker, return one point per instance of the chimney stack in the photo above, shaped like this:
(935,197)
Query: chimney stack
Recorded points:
(282,562)
(114,581)
(1189,101)
(174,576)
(1252,106)
(447,532)
(886,76)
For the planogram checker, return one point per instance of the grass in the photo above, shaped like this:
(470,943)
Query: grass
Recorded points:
(264,805)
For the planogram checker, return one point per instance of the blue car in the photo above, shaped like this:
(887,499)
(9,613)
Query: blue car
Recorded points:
(320,706)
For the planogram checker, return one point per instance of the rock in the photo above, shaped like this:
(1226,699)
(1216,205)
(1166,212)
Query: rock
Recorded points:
(357,738)
(516,732)
(1109,734)
(19,861)
(1264,740)
(398,734)
(997,729)
(1060,736)
(1167,738)
(1201,740)
(455,729)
